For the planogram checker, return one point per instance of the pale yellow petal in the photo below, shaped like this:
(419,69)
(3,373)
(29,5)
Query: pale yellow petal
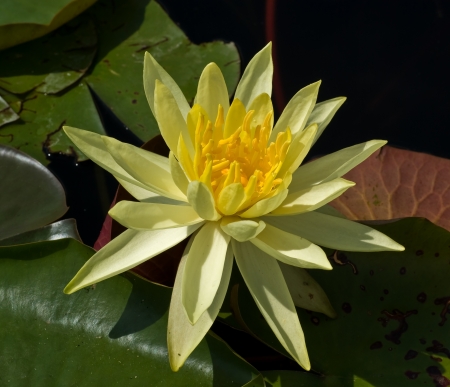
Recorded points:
(153,216)
(203,270)
(297,111)
(152,72)
(299,148)
(329,210)
(262,105)
(241,229)
(265,206)
(126,251)
(201,199)
(305,291)
(141,194)
(182,336)
(313,197)
(323,112)
(268,288)
(257,77)
(150,169)
(234,118)
(291,249)
(230,198)
(170,120)
(178,176)
(212,91)
(333,165)
(335,233)
(185,160)
(192,119)
(92,145)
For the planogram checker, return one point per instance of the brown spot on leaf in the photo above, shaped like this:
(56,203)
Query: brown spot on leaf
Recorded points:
(341,259)
(411,354)
(376,345)
(438,347)
(438,379)
(421,297)
(403,270)
(445,301)
(133,101)
(346,307)
(397,315)
(412,375)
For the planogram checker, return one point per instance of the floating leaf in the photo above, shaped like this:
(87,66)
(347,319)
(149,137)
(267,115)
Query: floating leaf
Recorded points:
(42,118)
(30,196)
(7,114)
(66,228)
(113,333)
(393,313)
(396,183)
(52,63)
(25,20)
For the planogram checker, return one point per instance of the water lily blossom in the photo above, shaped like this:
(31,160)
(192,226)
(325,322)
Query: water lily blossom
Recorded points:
(233,184)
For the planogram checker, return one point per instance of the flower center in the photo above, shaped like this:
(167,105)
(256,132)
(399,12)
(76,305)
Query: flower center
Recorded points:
(244,157)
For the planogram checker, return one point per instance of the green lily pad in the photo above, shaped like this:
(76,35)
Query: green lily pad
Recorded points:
(42,118)
(52,63)
(30,196)
(25,20)
(55,63)
(126,31)
(393,311)
(113,333)
(7,114)
(66,228)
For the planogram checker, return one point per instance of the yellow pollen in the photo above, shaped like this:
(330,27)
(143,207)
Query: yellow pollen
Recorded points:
(244,157)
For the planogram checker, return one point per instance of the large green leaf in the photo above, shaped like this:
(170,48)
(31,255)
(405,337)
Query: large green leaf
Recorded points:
(393,311)
(113,333)
(66,228)
(50,64)
(24,20)
(55,63)
(30,196)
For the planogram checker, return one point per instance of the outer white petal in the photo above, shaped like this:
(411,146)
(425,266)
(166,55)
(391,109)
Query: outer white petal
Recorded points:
(291,249)
(313,197)
(212,91)
(335,233)
(92,145)
(128,250)
(153,216)
(329,210)
(334,165)
(257,77)
(297,111)
(241,229)
(152,72)
(266,283)
(182,336)
(323,112)
(170,120)
(203,270)
(150,169)
(305,291)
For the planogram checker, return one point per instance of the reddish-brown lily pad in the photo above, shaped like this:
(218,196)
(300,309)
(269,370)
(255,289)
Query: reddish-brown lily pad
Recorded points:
(395,183)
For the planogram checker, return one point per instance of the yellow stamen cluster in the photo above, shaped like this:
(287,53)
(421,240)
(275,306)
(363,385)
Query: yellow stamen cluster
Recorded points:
(244,157)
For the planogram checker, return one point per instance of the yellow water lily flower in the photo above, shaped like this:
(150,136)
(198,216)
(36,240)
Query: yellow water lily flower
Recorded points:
(232,181)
